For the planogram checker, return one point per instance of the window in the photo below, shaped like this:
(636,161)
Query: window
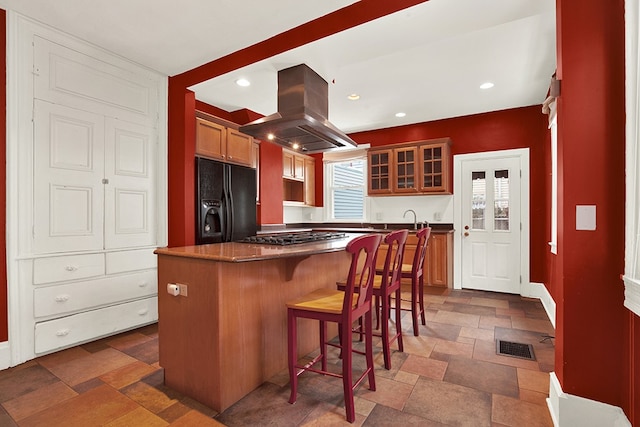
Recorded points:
(347,189)
(345,184)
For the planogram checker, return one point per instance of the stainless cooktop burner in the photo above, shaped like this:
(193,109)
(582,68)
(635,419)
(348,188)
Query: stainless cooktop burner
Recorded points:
(283,239)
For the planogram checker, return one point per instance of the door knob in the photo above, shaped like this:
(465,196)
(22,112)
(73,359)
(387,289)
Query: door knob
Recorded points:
(466,227)
(466,233)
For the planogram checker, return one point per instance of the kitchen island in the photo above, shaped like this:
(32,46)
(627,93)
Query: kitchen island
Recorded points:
(226,332)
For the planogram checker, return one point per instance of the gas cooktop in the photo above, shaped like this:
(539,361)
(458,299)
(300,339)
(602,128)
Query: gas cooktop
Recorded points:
(283,239)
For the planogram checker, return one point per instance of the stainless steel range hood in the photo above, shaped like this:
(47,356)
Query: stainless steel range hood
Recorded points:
(303,108)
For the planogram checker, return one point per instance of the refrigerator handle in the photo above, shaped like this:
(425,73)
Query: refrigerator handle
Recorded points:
(230,210)
(223,215)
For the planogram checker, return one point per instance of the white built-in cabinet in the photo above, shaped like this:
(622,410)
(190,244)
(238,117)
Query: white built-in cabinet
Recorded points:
(90,191)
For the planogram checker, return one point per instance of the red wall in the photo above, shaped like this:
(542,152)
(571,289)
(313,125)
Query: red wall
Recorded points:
(182,150)
(4,313)
(593,327)
(500,130)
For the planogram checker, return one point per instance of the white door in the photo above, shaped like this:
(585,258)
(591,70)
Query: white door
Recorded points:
(491,224)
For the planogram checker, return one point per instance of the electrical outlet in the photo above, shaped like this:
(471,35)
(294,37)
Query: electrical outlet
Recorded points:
(173,289)
(378,216)
(437,216)
(183,289)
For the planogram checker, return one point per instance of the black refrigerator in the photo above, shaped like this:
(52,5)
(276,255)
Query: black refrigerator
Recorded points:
(226,202)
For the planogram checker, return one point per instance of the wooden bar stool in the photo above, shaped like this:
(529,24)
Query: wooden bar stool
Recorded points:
(342,307)
(415,271)
(386,284)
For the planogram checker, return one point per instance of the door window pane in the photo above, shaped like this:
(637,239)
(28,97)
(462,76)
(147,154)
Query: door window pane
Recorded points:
(479,200)
(501,200)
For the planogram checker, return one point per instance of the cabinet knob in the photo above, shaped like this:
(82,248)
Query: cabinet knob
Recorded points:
(62,332)
(142,284)
(143,312)
(62,298)
(71,268)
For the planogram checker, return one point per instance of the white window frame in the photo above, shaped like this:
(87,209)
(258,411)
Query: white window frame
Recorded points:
(333,157)
(553,127)
(632,159)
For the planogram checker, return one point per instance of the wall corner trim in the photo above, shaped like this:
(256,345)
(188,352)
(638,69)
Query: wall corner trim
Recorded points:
(568,410)
(540,291)
(5,355)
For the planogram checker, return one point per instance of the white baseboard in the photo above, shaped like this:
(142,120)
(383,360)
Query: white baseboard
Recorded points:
(539,290)
(570,411)
(5,355)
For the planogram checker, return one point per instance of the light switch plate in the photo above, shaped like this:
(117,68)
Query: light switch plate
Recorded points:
(586,217)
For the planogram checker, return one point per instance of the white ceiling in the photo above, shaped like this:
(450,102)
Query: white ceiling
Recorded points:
(427,61)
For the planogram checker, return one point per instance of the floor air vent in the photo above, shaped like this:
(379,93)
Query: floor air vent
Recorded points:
(515,349)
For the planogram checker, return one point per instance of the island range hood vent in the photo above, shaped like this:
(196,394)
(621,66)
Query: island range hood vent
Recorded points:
(303,108)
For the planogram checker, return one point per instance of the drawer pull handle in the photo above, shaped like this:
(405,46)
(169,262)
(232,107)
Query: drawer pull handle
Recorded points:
(62,332)
(62,298)
(143,312)
(71,268)
(142,284)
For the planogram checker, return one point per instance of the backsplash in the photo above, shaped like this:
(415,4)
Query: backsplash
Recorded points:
(381,210)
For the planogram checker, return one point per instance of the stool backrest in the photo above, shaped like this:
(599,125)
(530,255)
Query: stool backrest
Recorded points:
(421,251)
(363,250)
(392,270)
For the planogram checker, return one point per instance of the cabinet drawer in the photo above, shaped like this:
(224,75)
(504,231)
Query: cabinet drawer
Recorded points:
(77,296)
(65,268)
(71,330)
(140,259)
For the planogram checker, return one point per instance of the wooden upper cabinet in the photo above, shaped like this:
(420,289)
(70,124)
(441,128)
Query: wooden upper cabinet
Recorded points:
(292,165)
(420,167)
(298,167)
(239,147)
(406,168)
(287,165)
(211,139)
(434,167)
(255,163)
(216,141)
(298,173)
(309,182)
(380,171)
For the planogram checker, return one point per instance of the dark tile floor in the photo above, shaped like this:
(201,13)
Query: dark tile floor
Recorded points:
(448,376)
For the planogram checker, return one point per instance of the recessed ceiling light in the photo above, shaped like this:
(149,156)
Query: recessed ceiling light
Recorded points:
(295,145)
(271,137)
(401,114)
(353,97)
(243,82)
(487,85)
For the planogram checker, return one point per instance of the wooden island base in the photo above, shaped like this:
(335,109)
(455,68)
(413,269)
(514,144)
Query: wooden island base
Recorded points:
(228,334)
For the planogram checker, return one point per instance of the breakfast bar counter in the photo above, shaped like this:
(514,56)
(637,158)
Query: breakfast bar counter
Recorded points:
(226,332)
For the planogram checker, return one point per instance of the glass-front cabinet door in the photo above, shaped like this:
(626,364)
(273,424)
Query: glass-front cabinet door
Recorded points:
(434,170)
(405,170)
(380,172)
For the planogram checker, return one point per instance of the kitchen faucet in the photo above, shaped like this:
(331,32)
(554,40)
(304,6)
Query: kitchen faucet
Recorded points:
(415,218)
